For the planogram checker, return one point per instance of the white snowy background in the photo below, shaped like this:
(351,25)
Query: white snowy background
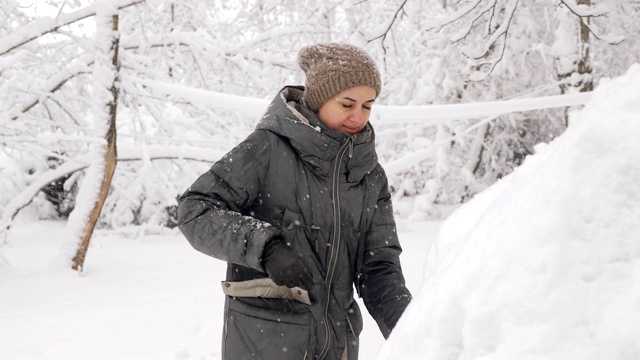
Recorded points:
(507,259)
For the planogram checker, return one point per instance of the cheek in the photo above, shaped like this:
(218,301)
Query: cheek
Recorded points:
(332,119)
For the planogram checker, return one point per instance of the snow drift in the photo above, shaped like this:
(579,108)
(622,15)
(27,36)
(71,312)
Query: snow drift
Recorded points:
(545,264)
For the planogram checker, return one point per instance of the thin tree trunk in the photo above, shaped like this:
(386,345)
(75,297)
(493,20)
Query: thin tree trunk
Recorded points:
(477,149)
(581,66)
(110,154)
(584,64)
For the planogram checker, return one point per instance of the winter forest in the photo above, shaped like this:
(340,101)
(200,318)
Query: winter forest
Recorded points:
(111,109)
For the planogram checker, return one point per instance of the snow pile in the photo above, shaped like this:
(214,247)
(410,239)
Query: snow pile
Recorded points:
(545,264)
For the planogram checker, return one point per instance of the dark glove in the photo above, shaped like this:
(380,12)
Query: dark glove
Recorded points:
(284,266)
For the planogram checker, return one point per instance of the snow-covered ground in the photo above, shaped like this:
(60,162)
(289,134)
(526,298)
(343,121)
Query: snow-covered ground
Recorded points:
(139,299)
(545,264)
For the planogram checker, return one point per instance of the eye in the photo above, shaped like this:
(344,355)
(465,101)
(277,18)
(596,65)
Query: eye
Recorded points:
(347,106)
(367,107)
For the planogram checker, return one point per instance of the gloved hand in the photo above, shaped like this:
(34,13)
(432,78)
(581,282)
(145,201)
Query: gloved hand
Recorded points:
(284,266)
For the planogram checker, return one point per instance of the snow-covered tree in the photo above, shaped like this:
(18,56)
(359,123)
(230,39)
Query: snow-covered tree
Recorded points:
(194,77)
(472,51)
(95,186)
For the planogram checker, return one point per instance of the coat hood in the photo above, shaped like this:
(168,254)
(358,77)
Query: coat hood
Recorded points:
(317,145)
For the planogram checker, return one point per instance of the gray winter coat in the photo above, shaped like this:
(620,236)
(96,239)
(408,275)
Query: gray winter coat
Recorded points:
(326,194)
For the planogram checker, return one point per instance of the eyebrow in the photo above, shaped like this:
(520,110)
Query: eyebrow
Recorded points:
(354,100)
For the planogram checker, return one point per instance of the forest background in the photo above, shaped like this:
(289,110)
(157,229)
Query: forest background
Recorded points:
(109,110)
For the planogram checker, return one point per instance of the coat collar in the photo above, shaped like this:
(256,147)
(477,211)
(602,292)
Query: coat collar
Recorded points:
(317,145)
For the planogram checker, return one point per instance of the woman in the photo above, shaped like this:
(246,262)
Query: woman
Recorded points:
(300,211)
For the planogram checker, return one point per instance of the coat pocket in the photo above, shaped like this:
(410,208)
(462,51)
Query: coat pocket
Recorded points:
(265,288)
(259,333)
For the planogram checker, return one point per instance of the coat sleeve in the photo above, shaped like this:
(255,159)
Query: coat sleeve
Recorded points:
(209,212)
(382,284)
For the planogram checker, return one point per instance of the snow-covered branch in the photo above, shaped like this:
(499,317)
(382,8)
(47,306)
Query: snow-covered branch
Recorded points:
(55,82)
(456,16)
(389,25)
(26,196)
(490,44)
(45,25)
(466,30)
(395,114)
(583,11)
(126,153)
(164,152)
(383,113)
(250,106)
(494,36)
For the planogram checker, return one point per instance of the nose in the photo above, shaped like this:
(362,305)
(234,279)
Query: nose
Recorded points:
(357,116)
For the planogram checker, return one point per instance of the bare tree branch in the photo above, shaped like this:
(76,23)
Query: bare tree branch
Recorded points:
(584,11)
(463,34)
(574,8)
(390,25)
(501,32)
(456,16)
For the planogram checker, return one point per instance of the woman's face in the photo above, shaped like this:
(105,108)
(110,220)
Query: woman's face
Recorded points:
(348,112)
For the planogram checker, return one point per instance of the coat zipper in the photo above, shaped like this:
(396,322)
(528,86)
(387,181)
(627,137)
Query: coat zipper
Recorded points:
(335,243)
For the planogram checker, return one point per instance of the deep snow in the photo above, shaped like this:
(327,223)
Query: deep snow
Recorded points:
(153,297)
(545,264)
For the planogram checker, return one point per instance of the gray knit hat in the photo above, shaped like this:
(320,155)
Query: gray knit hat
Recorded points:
(332,68)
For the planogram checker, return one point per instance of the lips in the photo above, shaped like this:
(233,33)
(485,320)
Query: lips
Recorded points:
(350,130)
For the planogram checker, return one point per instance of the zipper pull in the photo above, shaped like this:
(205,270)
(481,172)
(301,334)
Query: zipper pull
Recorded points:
(350,146)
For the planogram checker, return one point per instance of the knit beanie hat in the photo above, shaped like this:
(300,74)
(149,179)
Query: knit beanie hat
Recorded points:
(332,68)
